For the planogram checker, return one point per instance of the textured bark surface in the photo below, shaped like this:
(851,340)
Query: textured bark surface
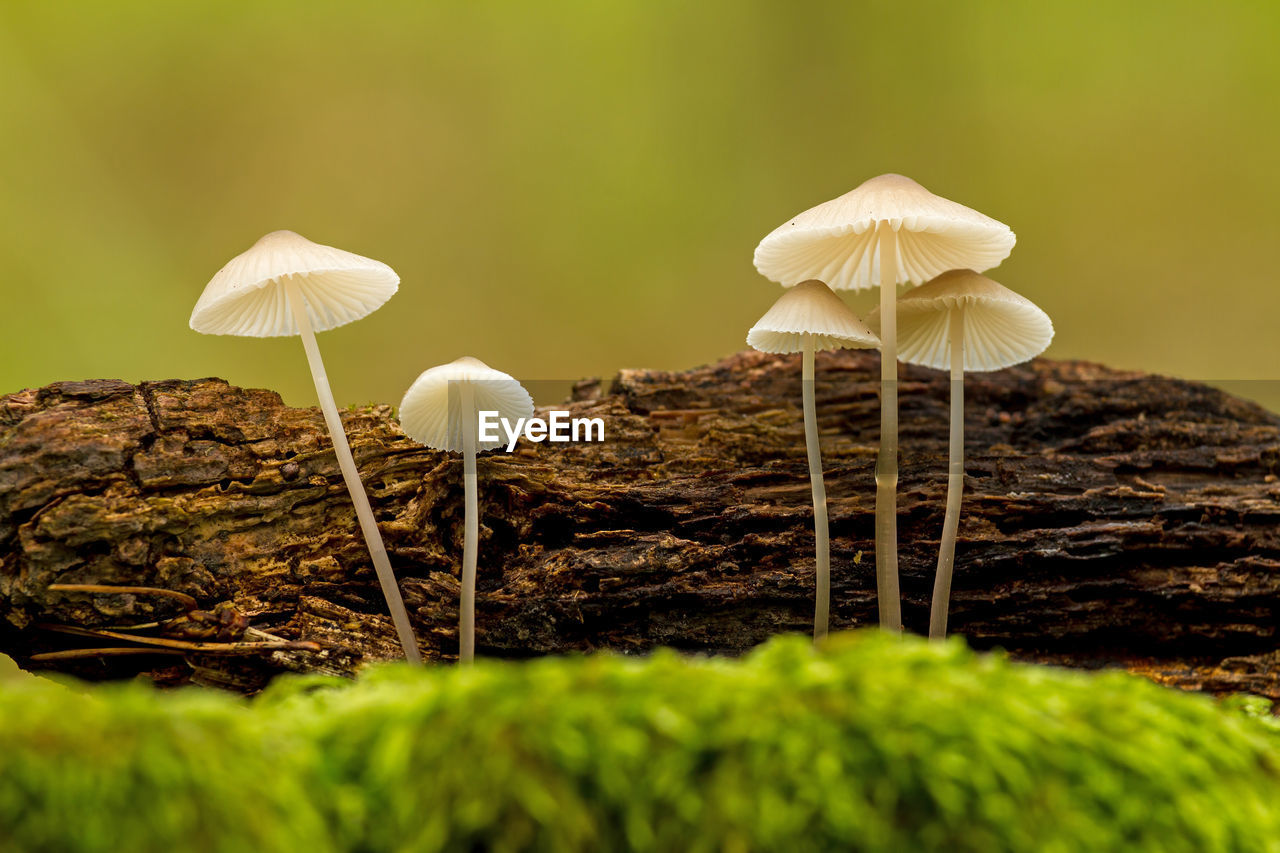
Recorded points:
(1109,519)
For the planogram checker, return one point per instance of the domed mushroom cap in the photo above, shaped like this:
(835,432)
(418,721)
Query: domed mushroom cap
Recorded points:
(810,308)
(431,411)
(838,241)
(247,296)
(1001,328)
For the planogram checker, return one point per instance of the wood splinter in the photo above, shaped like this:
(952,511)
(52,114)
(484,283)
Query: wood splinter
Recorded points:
(224,622)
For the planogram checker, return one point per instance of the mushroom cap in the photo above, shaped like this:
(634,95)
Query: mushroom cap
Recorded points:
(810,308)
(247,296)
(839,241)
(1001,328)
(431,411)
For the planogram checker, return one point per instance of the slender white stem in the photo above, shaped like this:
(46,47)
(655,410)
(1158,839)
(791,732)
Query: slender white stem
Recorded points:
(955,484)
(471,528)
(887,595)
(372,537)
(822,545)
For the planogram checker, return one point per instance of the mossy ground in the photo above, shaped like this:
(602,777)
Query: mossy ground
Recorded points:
(871,744)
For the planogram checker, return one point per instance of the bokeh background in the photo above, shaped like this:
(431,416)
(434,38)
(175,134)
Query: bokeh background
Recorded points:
(567,188)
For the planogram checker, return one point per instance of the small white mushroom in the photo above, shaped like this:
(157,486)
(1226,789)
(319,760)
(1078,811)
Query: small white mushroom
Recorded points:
(806,318)
(441,410)
(887,231)
(287,285)
(964,321)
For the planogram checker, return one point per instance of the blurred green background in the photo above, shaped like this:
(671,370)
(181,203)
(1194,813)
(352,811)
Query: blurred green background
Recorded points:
(571,187)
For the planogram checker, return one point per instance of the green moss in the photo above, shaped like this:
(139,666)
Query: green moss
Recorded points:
(1258,708)
(132,769)
(874,744)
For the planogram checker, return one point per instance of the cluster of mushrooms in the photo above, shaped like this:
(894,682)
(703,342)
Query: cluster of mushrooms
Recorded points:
(287,285)
(889,230)
(886,232)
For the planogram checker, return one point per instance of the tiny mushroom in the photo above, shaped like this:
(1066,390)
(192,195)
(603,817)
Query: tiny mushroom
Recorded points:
(441,409)
(287,285)
(964,321)
(806,318)
(885,232)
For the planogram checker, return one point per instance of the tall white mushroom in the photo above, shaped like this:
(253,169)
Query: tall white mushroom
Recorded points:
(962,321)
(806,318)
(287,285)
(890,230)
(441,410)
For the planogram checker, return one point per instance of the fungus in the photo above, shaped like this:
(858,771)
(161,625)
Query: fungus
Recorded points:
(889,230)
(441,410)
(806,318)
(964,321)
(287,285)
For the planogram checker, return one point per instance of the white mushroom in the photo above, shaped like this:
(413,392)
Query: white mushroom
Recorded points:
(441,410)
(890,230)
(806,318)
(964,321)
(287,285)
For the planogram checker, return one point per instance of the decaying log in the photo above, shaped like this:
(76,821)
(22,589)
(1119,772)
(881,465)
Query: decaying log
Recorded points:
(1110,518)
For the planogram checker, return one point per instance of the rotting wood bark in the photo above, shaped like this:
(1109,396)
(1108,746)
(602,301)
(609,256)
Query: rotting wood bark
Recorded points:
(1110,518)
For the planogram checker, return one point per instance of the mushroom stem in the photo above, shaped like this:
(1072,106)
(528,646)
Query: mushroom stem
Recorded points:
(822,553)
(887,595)
(471,529)
(372,537)
(955,484)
